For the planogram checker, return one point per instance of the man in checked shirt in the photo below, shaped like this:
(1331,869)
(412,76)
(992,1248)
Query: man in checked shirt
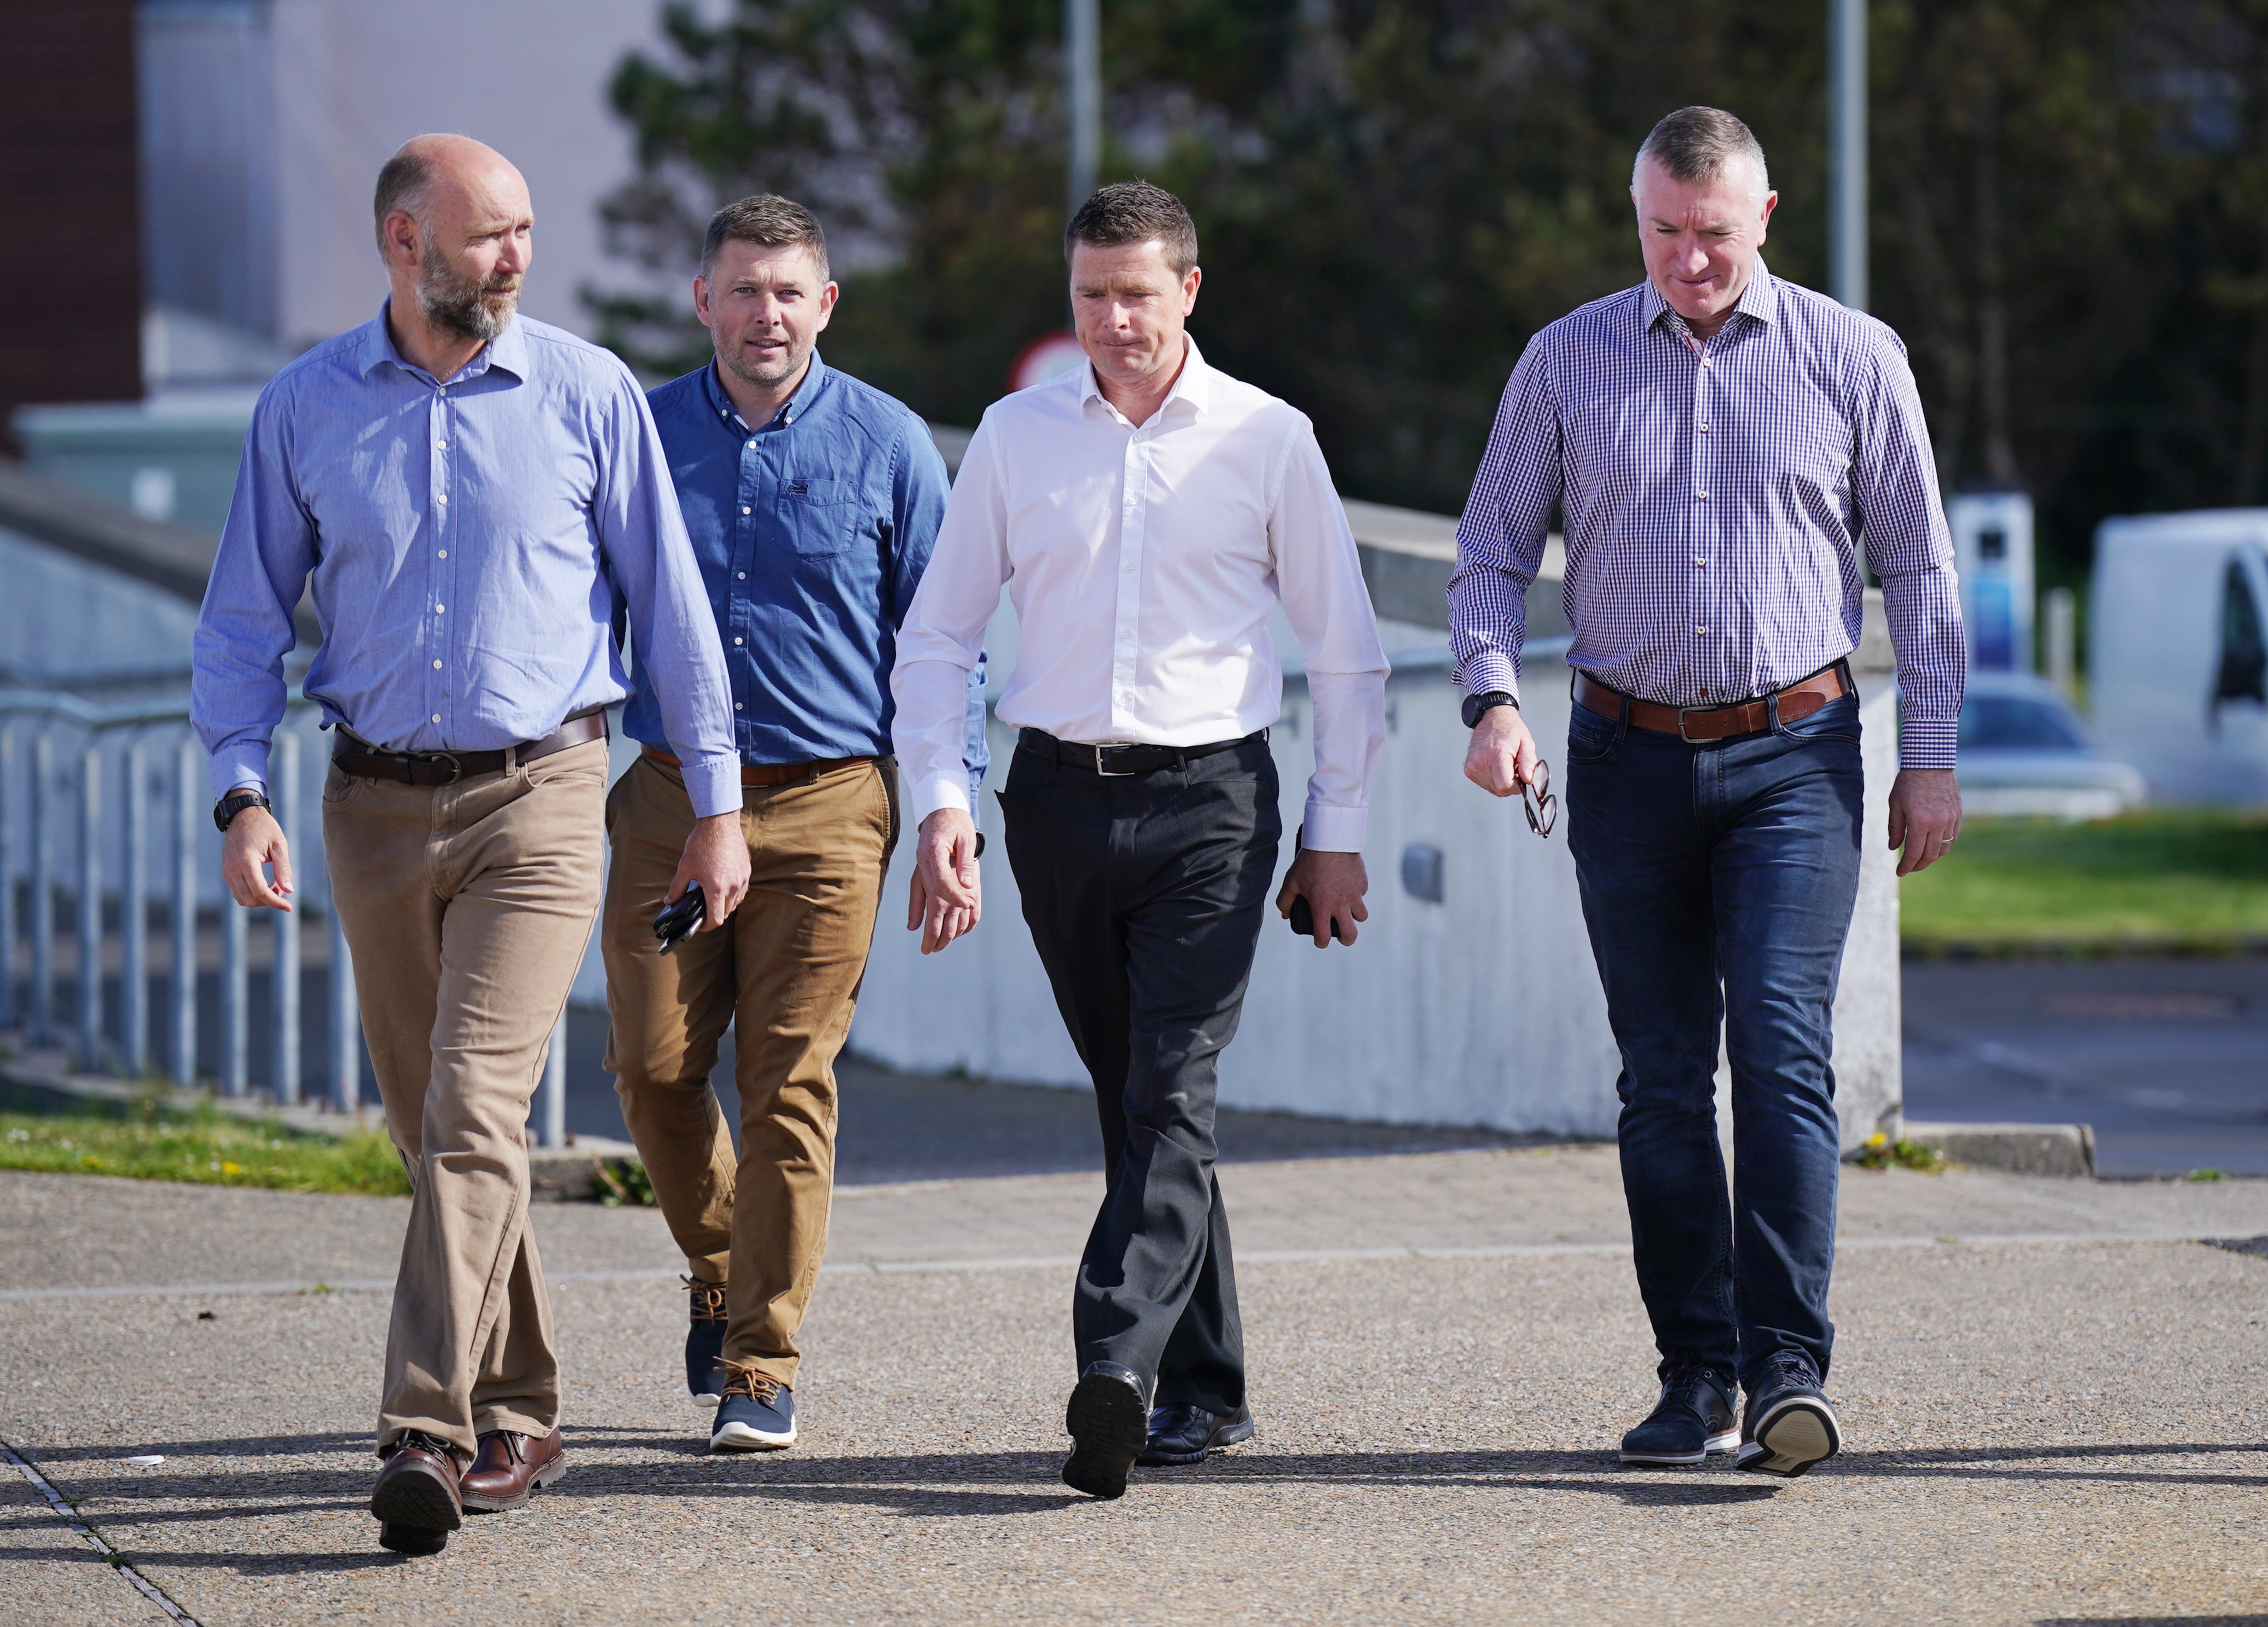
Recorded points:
(1718,443)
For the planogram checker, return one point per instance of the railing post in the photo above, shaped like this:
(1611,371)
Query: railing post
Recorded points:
(7,881)
(188,805)
(235,998)
(346,1022)
(284,984)
(554,1103)
(134,916)
(90,909)
(41,1026)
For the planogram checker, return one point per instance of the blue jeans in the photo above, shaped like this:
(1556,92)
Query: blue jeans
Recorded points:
(1718,882)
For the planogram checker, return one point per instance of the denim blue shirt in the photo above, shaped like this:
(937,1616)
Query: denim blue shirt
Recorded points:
(812,532)
(467,544)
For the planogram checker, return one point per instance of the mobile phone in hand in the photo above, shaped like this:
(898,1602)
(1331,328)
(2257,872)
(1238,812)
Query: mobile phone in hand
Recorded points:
(1303,920)
(680,920)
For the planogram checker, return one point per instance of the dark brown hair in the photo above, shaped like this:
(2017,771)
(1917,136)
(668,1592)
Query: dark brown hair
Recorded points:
(769,221)
(1135,211)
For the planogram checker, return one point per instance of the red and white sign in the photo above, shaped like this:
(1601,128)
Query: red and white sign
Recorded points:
(1048,357)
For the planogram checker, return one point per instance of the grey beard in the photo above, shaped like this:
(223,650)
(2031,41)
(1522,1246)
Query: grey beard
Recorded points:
(468,309)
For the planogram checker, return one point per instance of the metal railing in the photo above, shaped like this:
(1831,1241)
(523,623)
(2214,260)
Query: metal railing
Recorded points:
(69,747)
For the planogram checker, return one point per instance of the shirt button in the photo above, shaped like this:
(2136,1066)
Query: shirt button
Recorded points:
(1705,428)
(744,510)
(737,706)
(436,717)
(736,641)
(438,609)
(445,553)
(739,576)
(437,666)
(440,445)
(1700,630)
(1702,496)
(752,445)
(442,497)
(1700,561)
(1704,361)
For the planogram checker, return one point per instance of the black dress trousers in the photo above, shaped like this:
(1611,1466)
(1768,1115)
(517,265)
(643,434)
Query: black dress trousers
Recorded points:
(1146,895)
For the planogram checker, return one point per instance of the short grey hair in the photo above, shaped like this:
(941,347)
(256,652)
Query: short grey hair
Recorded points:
(1695,143)
(402,185)
(768,221)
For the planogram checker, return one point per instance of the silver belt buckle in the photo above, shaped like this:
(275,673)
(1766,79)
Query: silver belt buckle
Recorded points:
(1683,712)
(1105,773)
(456,769)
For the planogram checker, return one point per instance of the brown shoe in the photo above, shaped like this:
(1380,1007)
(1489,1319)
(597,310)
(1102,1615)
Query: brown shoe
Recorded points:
(416,1496)
(510,1467)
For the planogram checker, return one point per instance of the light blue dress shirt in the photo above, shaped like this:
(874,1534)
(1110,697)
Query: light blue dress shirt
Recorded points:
(468,542)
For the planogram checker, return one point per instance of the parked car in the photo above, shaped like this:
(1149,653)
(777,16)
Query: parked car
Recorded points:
(2024,750)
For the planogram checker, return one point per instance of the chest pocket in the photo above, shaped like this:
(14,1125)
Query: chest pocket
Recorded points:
(821,516)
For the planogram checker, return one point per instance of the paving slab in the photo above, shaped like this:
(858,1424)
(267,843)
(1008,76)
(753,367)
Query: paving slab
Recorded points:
(2040,1430)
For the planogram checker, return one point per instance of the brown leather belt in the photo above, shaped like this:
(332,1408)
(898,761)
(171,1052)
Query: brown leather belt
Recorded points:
(760,774)
(1797,702)
(357,756)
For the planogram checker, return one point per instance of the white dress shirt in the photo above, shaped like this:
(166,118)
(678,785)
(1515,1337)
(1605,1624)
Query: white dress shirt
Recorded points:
(1143,563)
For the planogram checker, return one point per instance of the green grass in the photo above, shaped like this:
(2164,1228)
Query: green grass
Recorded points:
(151,1143)
(2194,880)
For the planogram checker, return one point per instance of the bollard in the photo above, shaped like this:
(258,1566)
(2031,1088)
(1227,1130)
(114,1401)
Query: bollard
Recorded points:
(7,884)
(189,806)
(235,1000)
(90,910)
(554,1115)
(346,1022)
(284,983)
(41,1026)
(134,920)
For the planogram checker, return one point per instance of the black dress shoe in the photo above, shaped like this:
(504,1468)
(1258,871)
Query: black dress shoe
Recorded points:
(1108,1421)
(1184,1434)
(1692,1419)
(1790,1426)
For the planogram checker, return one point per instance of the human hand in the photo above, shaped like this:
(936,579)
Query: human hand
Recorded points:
(253,839)
(1502,754)
(945,898)
(1924,816)
(1333,885)
(715,856)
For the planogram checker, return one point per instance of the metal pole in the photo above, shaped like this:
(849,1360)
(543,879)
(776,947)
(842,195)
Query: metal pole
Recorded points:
(284,984)
(7,884)
(235,998)
(188,805)
(346,1022)
(554,1102)
(134,917)
(1083,97)
(90,909)
(42,1025)
(1846,151)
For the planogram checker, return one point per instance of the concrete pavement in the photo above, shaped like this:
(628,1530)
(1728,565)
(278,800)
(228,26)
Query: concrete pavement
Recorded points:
(2056,1413)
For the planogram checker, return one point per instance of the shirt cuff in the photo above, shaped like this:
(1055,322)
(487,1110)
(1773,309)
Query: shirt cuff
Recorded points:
(239,767)
(1329,829)
(714,784)
(1927,745)
(1490,670)
(942,790)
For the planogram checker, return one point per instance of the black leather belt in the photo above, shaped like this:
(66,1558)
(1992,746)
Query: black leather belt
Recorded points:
(1119,762)
(354,755)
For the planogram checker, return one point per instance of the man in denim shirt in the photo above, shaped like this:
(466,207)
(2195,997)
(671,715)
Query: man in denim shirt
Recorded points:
(813,501)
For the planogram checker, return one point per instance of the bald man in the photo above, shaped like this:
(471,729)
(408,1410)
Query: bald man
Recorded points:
(473,496)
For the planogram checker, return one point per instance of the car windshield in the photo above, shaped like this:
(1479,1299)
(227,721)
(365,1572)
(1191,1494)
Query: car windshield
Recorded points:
(2014,723)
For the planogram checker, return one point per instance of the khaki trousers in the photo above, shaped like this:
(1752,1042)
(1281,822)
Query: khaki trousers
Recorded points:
(785,969)
(467,908)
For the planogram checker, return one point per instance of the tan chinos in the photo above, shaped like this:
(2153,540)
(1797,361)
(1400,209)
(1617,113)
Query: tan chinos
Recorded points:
(467,908)
(785,971)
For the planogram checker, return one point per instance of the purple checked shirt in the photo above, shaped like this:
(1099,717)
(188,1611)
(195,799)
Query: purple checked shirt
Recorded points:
(1713,497)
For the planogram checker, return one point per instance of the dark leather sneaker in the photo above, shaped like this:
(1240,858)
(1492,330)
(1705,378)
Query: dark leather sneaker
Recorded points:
(704,1340)
(1184,1434)
(1692,1419)
(1108,1418)
(415,1499)
(755,1413)
(1789,1424)
(508,1468)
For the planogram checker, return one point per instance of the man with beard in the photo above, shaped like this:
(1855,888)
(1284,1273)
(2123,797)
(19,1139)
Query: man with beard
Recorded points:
(471,493)
(813,501)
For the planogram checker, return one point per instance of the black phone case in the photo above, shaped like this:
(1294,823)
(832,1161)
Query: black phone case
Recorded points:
(1303,920)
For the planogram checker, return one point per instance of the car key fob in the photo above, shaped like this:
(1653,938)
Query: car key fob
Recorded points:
(1303,920)
(673,925)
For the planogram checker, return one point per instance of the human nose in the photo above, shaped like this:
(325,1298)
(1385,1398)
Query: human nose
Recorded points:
(518,249)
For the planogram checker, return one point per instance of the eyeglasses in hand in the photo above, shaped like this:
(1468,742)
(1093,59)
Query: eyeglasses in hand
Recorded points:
(1537,800)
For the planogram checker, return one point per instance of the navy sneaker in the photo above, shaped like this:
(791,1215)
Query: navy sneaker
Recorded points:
(754,1413)
(1184,1434)
(1692,1419)
(1790,1426)
(1109,1418)
(704,1340)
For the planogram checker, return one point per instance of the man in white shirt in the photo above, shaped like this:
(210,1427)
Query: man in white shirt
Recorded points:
(1147,513)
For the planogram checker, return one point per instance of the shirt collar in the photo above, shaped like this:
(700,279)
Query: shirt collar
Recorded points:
(507,351)
(1759,299)
(1194,385)
(795,407)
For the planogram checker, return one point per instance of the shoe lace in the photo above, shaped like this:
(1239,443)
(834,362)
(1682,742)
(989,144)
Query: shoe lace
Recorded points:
(1686,1371)
(743,1380)
(708,1298)
(1792,1368)
(418,1441)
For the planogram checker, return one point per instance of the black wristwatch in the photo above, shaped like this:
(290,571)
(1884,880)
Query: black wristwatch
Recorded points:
(234,803)
(1487,699)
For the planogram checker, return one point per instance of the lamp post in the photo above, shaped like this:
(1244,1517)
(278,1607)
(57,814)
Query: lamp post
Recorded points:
(1846,151)
(1083,97)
